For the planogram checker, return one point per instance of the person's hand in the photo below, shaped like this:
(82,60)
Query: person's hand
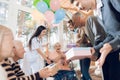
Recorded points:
(53,68)
(105,50)
(45,45)
(93,57)
(44,73)
(92,51)
(48,61)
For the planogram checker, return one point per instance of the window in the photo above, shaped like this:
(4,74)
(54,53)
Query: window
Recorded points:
(53,36)
(27,3)
(3,13)
(25,26)
(69,37)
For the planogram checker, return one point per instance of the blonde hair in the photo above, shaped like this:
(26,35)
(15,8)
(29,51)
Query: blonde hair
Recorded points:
(3,30)
(57,43)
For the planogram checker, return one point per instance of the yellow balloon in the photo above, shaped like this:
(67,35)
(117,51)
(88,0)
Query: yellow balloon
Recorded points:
(38,16)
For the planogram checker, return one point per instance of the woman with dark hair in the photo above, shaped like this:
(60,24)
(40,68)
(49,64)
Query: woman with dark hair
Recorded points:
(37,57)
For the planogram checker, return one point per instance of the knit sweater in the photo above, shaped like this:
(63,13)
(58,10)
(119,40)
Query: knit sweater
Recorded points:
(14,72)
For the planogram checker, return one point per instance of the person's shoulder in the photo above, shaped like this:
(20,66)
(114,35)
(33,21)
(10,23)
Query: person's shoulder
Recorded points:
(34,39)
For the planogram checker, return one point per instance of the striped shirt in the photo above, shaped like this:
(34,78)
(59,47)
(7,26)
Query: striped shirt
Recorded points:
(14,72)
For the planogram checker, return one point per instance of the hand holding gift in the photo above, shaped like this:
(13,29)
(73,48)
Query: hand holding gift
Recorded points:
(53,68)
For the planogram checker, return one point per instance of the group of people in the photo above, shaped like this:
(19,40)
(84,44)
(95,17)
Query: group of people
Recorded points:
(100,32)
(103,32)
(11,51)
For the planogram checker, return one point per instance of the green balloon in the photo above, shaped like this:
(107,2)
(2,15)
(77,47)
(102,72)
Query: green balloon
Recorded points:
(48,2)
(35,2)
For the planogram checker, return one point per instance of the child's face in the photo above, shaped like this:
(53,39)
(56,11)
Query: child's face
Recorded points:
(57,47)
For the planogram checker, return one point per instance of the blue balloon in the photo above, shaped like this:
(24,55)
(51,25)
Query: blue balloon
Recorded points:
(56,21)
(42,6)
(59,15)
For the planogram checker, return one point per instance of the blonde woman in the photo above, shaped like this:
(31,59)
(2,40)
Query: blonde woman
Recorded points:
(6,46)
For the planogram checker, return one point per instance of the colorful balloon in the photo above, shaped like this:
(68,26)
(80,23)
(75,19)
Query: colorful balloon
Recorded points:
(59,15)
(42,6)
(35,2)
(49,16)
(54,5)
(48,2)
(37,16)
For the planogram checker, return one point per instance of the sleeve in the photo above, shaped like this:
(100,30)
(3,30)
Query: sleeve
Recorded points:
(20,75)
(95,31)
(115,43)
(106,40)
(31,77)
(97,34)
(116,4)
(17,69)
(35,44)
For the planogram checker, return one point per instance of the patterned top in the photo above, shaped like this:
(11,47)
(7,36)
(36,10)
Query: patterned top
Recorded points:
(14,72)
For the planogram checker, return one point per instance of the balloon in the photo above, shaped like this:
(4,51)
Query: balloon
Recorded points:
(37,16)
(56,21)
(35,2)
(49,16)
(59,15)
(59,0)
(42,6)
(48,2)
(54,5)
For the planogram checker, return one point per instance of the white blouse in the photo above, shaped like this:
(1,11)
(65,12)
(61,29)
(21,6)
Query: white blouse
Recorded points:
(35,60)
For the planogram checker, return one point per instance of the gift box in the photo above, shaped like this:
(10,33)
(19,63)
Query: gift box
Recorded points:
(71,45)
(78,53)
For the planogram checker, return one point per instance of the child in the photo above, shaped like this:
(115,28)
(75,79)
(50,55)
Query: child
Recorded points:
(57,56)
